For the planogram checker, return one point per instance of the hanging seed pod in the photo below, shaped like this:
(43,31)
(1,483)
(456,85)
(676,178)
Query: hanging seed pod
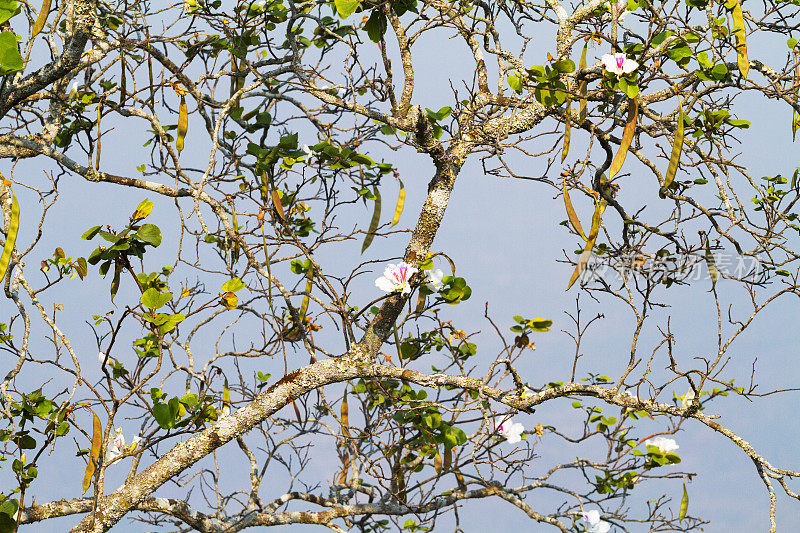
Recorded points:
(571,215)
(41,19)
(401,200)
(567,123)
(584,86)
(183,125)
(376,218)
(741,39)
(94,453)
(583,260)
(627,138)
(11,238)
(674,158)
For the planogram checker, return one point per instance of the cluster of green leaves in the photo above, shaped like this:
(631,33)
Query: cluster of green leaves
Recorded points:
(610,483)
(656,457)
(32,409)
(708,71)
(327,32)
(178,412)
(412,348)
(10,58)
(65,266)
(524,326)
(131,241)
(340,157)
(773,194)
(454,290)
(79,101)
(550,90)
(147,346)
(711,121)
(434,117)
(155,295)
(415,412)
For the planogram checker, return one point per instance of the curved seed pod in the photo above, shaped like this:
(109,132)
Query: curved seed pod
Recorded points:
(376,218)
(276,201)
(567,123)
(583,260)
(627,138)
(41,19)
(309,286)
(97,144)
(677,147)
(583,86)
(571,215)
(345,417)
(712,266)
(226,399)
(420,304)
(13,228)
(741,39)
(94,454)
(401,201)
(183,125)
(795,84)
(684,503)
(123,84)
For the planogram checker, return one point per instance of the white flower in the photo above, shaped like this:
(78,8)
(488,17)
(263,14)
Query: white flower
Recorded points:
(665,445)
(102,357)
(307,150)
(512,431)
(396,278)
(619,64)
(593,522)
(688,398)
(117,447)
(433,279)
(73,90)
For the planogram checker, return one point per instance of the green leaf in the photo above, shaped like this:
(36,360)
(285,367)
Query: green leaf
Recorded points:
(171,322)
(376,27)
(345,8)
(232,285)
(564,66)
(154,300)
(515,83)
(10,58)
(162,415)
(8,9)
(791,43)
(90,233)
(150,234)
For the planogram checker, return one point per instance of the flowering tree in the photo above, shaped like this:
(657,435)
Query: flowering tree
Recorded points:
(269,125)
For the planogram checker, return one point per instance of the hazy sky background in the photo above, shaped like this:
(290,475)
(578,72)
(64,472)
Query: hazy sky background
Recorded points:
(504,237)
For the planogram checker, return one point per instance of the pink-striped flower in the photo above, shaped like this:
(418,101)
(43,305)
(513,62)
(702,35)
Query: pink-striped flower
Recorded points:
(396,278)
(619,64)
